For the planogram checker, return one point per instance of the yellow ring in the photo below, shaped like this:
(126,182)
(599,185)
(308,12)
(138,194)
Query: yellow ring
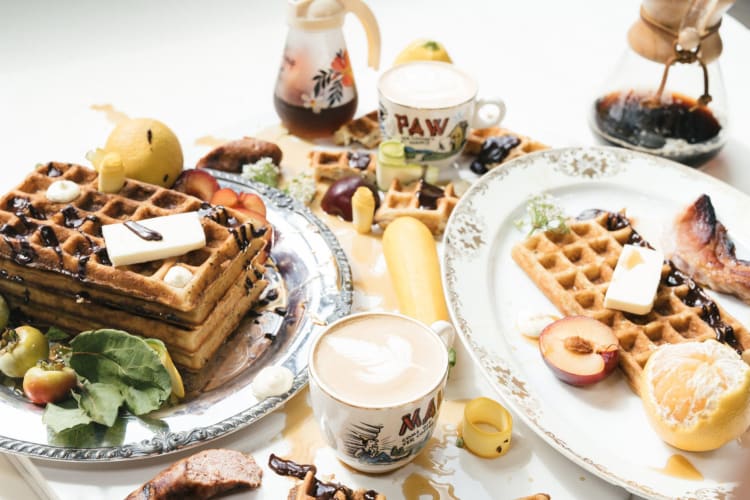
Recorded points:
(480,414)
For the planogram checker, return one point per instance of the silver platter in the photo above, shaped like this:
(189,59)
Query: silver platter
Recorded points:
(312,286)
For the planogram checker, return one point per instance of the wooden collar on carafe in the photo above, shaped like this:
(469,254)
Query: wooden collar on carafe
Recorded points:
(687,50)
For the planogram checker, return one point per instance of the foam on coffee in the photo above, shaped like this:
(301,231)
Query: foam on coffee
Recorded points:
(427,84)
(379,361)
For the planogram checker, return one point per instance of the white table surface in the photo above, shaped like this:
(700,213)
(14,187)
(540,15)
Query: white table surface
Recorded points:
(208,69)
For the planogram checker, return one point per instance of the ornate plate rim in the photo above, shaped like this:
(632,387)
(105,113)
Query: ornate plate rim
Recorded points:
(169,442)
(463,229)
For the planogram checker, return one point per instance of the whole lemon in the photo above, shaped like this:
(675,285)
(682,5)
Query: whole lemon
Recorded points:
(150,151)
(423,50)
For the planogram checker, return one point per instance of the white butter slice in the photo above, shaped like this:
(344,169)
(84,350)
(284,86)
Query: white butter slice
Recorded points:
(634,280)
(180,234)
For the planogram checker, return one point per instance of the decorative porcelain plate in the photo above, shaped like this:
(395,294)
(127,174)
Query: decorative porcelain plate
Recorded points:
(603,427)
(311,286)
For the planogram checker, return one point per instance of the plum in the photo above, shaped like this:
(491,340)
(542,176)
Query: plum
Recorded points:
(338,198)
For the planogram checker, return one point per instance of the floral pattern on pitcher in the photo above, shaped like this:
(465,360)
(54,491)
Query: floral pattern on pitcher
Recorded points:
(330,83)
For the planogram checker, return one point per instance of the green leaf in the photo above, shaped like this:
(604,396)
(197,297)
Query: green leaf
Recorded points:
(125,361)
(91,435)
(100,401)
(55,334)
(65,416)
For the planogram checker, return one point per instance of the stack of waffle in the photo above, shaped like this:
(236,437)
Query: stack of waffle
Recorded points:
(54,267)
(574,270)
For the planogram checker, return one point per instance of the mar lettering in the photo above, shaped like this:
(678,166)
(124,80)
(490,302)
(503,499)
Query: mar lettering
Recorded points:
(435,127)
(413,421)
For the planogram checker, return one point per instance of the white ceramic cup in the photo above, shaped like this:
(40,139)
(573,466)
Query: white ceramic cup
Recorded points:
(429,107)
(377,397)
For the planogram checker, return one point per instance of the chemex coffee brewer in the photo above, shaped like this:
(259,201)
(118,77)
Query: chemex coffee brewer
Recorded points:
(666,97)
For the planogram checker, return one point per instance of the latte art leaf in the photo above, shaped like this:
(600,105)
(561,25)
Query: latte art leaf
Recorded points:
(377,363)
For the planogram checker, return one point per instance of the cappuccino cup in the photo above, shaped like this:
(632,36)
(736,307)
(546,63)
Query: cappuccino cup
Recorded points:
(376,386)
(429,107)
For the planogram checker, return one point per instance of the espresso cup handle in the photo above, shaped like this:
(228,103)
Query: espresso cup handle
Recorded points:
(484,120)
(445,331)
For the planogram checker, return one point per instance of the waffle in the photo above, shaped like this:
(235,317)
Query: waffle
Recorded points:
(189,347)
(309,489)
(81,248)
(364,130)
(574,270)
(334,165)
(404,201)
(477,137)
(61,275)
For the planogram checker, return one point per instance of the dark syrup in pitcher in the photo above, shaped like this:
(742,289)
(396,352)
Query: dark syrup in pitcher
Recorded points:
(676,127)
(305,123)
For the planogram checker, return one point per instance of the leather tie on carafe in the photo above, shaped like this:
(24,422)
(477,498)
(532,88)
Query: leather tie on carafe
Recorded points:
(687,50)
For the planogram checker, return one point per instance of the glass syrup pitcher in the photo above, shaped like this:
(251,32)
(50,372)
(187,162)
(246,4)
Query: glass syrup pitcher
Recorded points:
(315,91)
(666,96)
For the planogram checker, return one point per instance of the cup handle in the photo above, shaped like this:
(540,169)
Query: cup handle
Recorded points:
(445,331)
(485,120)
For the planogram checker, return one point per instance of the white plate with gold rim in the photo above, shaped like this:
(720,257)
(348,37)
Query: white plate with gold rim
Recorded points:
(603,427)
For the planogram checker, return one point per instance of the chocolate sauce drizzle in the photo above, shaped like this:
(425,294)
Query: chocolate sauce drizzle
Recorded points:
(142,231)
(73,220)
(695,297)
(53,171)
(428,195)
(49,239)
(358,160)
(243,233)
(318,489)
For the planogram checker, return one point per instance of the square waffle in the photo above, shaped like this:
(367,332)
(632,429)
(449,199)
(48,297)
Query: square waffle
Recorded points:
(364,130)
(334,165)
(477,137)
(400,201)
(574,270)
(54,263)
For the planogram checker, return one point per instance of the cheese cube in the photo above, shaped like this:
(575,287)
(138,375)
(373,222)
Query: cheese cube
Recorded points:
(180,233)
(634,280)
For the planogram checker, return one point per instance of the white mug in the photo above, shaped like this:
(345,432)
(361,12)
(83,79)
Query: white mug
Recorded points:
(429,107)
(377,397)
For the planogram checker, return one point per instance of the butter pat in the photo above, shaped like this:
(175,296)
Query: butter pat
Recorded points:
(180,233)
(634,280)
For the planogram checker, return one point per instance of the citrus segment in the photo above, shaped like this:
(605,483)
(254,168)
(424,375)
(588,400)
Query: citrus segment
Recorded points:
(697,394)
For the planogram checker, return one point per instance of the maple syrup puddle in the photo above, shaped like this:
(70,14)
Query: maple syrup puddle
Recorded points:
(210,141)
(301,429)
(416,486)
(114,116)
(364,251)
(679,466)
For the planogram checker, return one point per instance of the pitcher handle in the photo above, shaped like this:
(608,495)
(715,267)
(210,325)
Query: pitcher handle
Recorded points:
(367,18)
